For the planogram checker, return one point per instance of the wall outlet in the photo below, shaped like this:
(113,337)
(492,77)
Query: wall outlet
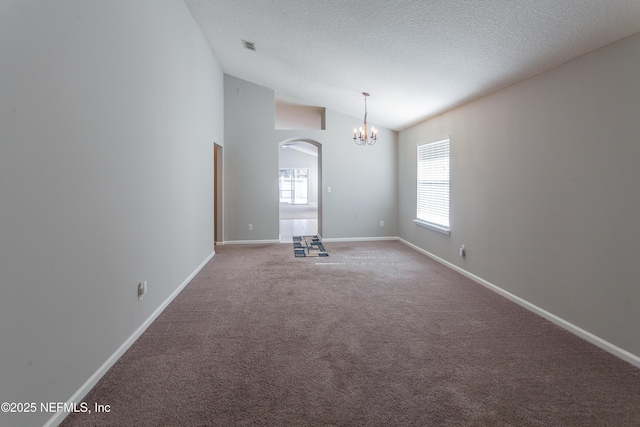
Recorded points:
(250,227)
(463,250)
(381,223)
(142,289)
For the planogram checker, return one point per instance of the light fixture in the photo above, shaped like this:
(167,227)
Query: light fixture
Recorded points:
(363,138)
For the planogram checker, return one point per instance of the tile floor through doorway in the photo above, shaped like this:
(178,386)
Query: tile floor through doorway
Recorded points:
(297,220)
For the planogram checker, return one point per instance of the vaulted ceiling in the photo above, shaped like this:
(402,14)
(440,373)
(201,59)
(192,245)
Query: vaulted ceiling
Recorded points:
(417,58)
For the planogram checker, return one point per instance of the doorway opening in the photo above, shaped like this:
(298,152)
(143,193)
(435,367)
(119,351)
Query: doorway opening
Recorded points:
(300,195)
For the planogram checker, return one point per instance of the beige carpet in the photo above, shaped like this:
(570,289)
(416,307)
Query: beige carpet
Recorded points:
(374,335)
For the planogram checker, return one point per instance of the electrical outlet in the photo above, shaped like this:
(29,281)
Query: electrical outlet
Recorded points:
(140,291)
(381,223)
(463,250)
(250,227)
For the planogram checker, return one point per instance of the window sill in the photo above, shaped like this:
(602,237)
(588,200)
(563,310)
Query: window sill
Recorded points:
(439,228)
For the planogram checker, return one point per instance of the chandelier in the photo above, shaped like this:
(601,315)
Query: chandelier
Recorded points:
(363,137)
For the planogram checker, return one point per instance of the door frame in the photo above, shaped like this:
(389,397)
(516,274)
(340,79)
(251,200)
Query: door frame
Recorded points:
(318,145)
(218,174)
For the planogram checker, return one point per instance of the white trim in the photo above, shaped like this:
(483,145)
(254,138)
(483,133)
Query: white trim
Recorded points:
(250,242)
(359,239)
(93,379)
(57,418)
(593,339)
(432,226)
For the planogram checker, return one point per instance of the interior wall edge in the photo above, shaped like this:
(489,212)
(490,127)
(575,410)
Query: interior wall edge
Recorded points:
(58,417)
(586,335)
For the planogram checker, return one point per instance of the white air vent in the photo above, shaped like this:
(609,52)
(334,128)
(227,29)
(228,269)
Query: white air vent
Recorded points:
(249,45)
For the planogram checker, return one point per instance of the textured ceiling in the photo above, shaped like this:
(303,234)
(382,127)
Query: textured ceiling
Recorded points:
(417,58)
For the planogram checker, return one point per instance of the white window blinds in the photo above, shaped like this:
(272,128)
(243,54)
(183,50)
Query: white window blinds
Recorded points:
(433,183)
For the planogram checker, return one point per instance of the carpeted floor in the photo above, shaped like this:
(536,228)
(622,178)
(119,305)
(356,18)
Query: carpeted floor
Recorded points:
(375,335)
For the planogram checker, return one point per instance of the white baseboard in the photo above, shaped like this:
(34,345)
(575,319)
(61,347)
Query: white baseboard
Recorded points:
(593,339)
(93,379)
(358,239)
(251,242)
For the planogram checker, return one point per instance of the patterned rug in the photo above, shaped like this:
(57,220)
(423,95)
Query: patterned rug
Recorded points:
(308,246)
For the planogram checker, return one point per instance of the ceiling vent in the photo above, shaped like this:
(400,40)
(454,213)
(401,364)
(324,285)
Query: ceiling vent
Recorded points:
(249,45)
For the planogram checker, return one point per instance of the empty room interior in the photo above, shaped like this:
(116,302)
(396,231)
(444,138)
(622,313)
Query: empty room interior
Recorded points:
(159,157)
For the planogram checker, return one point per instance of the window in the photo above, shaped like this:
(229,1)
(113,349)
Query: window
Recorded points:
(433,186)
(294,186)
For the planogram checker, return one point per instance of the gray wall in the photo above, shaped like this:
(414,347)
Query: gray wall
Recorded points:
(363,179)
(545,191)
(108,115)
(293,116)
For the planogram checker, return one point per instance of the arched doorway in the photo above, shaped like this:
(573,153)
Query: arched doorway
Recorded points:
(300,188)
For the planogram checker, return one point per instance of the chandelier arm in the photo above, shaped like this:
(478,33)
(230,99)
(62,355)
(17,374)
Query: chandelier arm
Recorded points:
(363,138)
